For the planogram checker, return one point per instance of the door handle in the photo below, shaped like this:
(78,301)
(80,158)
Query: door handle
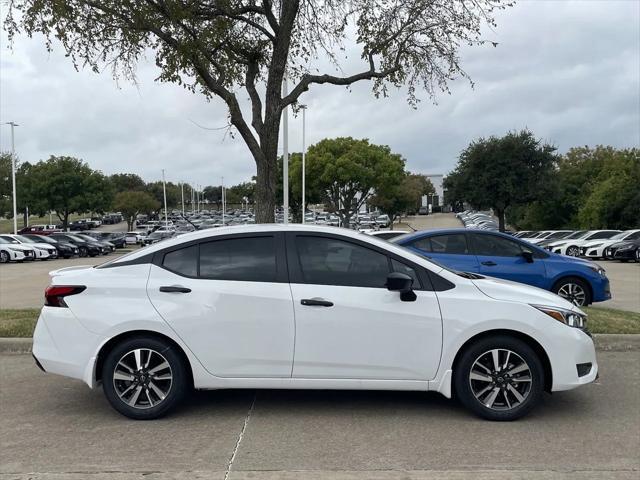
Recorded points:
(316,302)
(175,289)
(489,263)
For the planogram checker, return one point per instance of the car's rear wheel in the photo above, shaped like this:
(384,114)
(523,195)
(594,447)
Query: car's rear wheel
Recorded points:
(574,290)
(144,378)
(499,378)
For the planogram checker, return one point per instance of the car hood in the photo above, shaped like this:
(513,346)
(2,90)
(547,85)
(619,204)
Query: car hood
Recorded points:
(48,246)
(604,243)
(505,290)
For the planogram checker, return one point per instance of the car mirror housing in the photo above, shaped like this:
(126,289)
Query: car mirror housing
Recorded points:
(401,282)
(528,256)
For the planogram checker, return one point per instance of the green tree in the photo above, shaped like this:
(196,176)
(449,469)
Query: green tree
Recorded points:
(132,203)
(500,173)
(346,172)
(395,199)
(126,182)
(6,187)
(64,185)
(174,193)
(220,48)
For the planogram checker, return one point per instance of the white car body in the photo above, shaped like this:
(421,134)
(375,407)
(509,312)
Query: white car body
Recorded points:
(14,252)
(221,325)
(133,238)
(42,250)
(596,248)
(572,246)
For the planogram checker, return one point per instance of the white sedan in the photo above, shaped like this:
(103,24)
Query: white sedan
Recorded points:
(305,307)
(571,246)
(15,252)
(42,250)
(596,248)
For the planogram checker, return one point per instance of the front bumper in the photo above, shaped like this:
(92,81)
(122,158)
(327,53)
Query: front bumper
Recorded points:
(580,350)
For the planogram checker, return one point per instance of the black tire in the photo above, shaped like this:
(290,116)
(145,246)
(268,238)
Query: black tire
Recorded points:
(463,384)
(4,257)
(175,391)
(564,283)
(82,252)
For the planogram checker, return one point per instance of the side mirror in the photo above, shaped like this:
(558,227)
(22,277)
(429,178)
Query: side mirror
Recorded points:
(401,282)
(528,256)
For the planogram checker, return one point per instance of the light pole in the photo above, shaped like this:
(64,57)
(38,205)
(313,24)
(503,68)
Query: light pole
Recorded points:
(304,147)
(13,176)
(222,197)
(285,154)
(164,193)
(182,189)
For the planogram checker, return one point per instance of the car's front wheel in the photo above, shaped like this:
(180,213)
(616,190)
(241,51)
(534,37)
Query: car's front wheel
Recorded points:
(574,290)
(573,251)
(144,378)
(82,252)
(499,378)
(4,257)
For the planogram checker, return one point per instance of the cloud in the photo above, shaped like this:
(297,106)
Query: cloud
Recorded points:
(569,71)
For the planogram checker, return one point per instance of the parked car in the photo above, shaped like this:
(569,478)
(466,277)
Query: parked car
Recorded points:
(596,248)
(42,250)
(629,250)
(383,221)
(65,249)
(571,246)
(85,248)
(114,238)
(15,252)
(423,211)
(157,236)
(134,238)
(498,255)
(549,235)
(39,229)
(359,312)
(107,247)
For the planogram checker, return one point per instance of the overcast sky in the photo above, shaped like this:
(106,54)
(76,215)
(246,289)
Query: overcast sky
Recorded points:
(567,70)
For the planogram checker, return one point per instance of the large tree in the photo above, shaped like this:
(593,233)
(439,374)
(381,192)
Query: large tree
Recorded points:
(395,199)
(499,173)
(127,182)
(64,185)
(131,203)
(233,49)
(346,172)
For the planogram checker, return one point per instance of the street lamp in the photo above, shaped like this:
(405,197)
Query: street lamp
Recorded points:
(164,193)
(13,176)
(304,121)
(285,154)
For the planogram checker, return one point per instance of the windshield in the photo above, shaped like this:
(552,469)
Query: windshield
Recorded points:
(577,234)
(22,239)
(77,238)
(10,240)
(620,235)
(41,239)
(559,235)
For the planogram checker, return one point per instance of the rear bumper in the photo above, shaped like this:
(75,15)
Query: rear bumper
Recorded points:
(61,345)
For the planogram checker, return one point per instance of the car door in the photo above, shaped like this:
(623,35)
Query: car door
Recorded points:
(449,249)
(228,298)
(348,325)
(503,258)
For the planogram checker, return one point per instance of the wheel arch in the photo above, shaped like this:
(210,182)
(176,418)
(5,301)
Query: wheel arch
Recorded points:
(112,342)
(530,341)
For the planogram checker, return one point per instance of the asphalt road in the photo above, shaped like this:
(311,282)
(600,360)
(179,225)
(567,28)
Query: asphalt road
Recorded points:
(52,427)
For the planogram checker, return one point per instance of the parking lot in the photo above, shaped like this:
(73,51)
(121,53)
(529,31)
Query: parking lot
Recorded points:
(53,427)
(22,285)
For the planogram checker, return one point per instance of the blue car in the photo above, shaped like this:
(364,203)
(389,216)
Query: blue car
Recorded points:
(498,255)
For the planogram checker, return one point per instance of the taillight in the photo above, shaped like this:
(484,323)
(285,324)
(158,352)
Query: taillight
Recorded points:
(54,294)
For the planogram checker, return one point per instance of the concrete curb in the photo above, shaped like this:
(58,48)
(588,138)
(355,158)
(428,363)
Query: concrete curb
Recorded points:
(604,342)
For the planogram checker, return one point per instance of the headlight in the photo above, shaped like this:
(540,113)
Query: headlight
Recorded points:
(42,249)
(598,269)
(568,317)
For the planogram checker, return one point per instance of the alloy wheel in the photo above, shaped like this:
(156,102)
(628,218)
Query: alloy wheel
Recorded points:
(4,257)
(500,379)
(142,378)
(573,251)
(574,293)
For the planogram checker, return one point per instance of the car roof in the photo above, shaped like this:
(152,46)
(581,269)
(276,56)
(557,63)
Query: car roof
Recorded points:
(447,231)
